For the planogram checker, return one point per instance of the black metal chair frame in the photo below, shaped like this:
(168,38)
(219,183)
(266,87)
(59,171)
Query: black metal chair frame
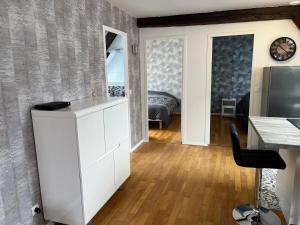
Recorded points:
(258,159)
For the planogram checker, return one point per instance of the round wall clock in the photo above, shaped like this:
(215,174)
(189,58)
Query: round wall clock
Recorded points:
(283,49)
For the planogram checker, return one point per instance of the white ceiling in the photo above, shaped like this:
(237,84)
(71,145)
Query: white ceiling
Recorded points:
(149,8)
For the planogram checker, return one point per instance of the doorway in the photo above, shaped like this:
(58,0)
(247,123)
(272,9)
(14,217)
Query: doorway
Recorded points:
(230,87)
(164,78)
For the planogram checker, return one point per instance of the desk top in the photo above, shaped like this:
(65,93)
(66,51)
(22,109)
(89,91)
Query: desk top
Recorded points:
(277,132)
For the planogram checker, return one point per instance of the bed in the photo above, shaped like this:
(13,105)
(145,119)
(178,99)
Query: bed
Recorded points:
(161,105)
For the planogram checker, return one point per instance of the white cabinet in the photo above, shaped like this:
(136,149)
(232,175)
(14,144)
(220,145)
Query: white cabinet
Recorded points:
(90,130)
(83,155)
(97,185)
(122,162)
(116,125)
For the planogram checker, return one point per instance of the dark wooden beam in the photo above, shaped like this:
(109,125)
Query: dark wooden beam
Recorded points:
(296,20)
(221,17)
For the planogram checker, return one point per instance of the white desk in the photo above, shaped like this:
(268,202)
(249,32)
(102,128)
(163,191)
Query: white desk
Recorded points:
(279,133)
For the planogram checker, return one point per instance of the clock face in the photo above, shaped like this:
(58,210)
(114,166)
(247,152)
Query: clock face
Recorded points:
(283,49)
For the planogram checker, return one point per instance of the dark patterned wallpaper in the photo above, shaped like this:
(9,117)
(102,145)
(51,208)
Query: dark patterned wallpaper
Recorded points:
(231,68)
(50,50)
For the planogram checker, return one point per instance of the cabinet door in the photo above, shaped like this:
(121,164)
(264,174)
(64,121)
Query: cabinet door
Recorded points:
(122,163)
(97,186)
(91,140)
(116,125)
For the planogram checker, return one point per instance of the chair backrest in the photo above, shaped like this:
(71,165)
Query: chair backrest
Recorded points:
(236,148)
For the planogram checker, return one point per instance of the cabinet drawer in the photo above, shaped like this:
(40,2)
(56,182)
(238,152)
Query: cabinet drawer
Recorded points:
(91,138)
(116,125)
(97,186)
(122,163)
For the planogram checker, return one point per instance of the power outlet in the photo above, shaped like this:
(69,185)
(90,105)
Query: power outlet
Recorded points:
(33,209)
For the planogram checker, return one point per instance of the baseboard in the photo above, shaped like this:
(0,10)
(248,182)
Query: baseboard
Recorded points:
(134,148)
(219,114)
(215,114)
(177,113)
(50,223)
(194,143)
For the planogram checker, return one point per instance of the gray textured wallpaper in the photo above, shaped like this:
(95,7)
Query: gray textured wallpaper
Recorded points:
(231,68)
(49,50)
(164,59)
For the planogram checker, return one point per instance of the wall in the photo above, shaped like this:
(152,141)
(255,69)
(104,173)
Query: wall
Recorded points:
(231,69)
(49,50)
(197,72)
(164,60)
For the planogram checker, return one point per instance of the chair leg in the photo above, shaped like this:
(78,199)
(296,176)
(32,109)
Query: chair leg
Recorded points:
(258,179)
(255,215)
(258,187)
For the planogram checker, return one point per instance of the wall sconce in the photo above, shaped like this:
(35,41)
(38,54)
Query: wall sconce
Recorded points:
(135,49)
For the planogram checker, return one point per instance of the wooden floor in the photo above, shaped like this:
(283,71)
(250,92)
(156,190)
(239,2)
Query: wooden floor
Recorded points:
(174,184)
(219,131)
(219,134)
(169,133)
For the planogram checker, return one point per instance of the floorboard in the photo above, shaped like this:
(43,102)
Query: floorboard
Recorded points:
(170,133)
(173,184)
(219,134)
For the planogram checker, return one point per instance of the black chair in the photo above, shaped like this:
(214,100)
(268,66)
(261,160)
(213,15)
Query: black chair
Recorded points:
(248,214)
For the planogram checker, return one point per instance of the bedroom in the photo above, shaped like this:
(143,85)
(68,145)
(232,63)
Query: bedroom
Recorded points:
(232,58)
(164,63)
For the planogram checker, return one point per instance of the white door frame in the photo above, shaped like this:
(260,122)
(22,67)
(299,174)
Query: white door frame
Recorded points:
(209,78)
(144,85)
(127,93)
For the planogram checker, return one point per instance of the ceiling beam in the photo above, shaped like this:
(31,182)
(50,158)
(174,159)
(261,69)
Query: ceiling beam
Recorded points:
(296,20)
(221,17)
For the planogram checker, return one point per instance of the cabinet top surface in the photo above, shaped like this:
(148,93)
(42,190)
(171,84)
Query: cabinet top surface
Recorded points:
(82,106)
